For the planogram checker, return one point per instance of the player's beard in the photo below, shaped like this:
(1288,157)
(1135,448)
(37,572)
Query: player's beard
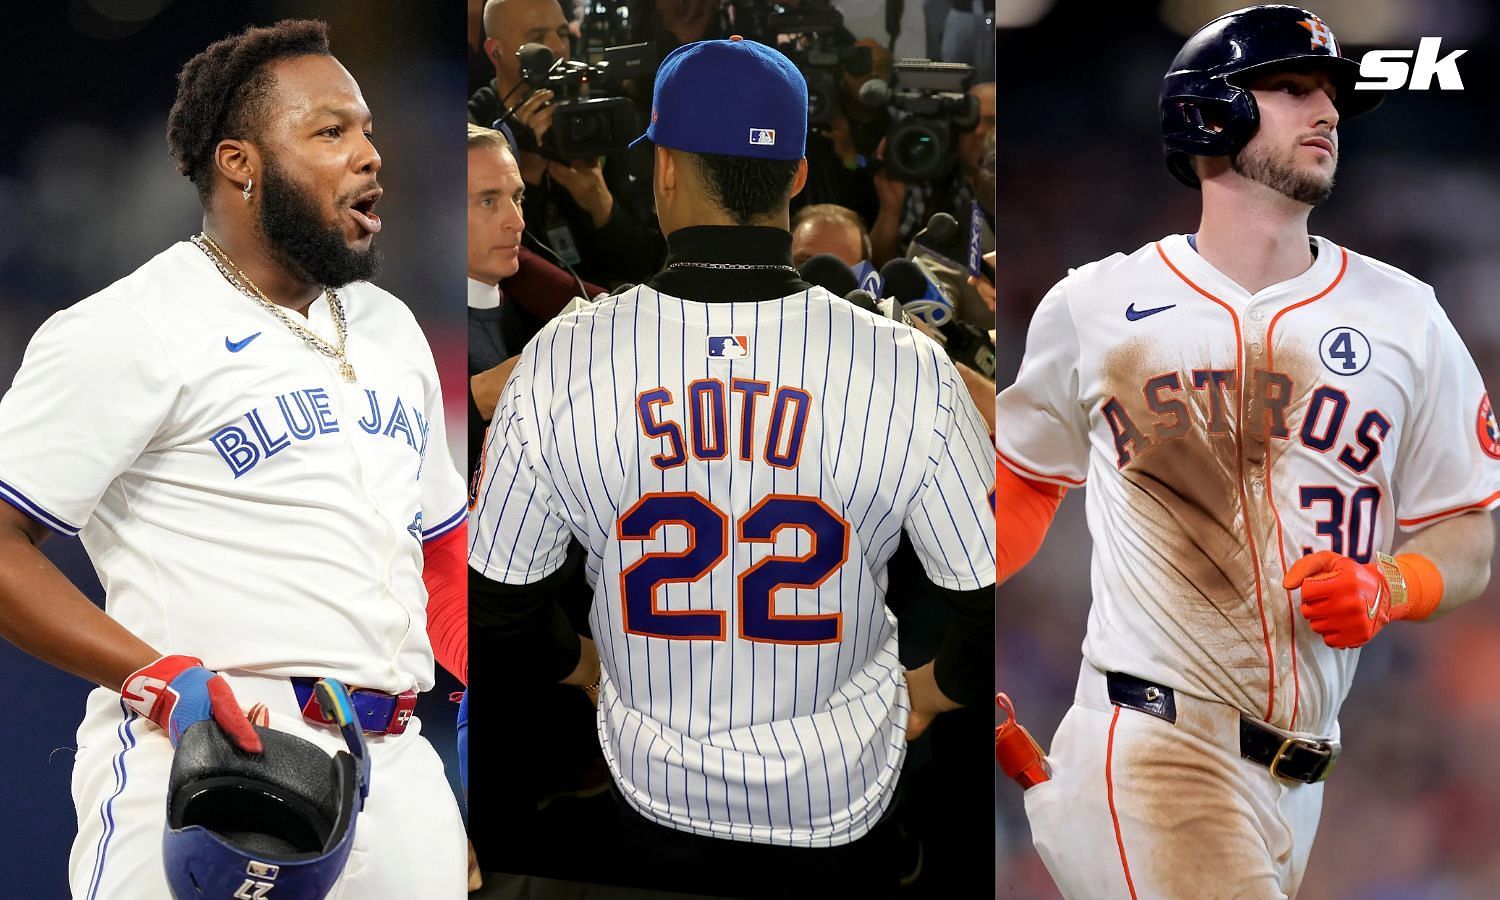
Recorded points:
(302,240)
(1279,172)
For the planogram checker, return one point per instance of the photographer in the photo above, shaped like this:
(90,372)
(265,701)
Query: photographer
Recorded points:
(584,210)
(838,152)
(905,208)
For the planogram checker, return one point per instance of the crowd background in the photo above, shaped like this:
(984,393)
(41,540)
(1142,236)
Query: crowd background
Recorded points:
(88,193)
(1413,808)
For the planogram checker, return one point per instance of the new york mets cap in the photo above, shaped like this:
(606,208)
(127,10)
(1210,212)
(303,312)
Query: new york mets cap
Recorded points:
(732,98)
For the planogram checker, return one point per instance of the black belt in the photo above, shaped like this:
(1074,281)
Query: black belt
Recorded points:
(1291,758)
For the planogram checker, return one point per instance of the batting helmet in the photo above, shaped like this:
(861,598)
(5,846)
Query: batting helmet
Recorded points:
(241,824)
(1206,105)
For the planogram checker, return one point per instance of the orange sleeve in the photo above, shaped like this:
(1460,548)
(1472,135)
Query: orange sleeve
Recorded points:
(445,571)
(1023,513)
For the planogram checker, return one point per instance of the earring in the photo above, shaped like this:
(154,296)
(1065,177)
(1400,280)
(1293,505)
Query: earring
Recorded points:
(249,182)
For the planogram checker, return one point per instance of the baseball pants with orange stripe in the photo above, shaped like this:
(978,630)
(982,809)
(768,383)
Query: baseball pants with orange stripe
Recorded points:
(1139,807)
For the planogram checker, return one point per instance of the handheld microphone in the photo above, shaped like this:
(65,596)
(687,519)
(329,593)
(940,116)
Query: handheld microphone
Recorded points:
(921,298)
(828,271)
(865,301)
(905,280)
(943,237)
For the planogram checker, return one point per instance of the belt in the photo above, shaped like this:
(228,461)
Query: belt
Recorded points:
(1290,758)
(378,712)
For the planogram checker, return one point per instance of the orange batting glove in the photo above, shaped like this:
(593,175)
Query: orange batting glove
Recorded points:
(1348,602)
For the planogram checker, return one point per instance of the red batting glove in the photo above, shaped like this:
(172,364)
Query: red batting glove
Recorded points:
(1344,601)
(177,692)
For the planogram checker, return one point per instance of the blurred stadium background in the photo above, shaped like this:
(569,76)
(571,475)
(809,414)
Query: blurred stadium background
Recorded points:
(88,194)
(1413,809)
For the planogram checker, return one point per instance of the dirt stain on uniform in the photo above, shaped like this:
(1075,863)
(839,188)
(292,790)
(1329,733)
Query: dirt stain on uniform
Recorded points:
(1188,523)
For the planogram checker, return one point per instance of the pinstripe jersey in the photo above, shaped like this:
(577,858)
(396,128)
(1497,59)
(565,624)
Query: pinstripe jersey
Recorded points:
(740,473)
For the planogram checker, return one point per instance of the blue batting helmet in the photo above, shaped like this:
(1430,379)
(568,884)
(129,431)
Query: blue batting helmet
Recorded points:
(242,824)
(1206,105)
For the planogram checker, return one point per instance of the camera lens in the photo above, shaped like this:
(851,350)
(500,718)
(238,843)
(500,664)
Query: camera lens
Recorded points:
(918,151)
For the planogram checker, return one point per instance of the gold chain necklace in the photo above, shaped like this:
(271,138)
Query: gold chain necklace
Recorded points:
(233,274)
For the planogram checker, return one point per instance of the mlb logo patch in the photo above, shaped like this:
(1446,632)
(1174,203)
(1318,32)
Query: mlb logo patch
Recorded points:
(257,869)
(762,137)
(728,346)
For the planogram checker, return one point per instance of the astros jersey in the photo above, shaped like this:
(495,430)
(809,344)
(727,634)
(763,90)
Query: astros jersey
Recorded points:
(740,473)
(1223,435)
(240,502)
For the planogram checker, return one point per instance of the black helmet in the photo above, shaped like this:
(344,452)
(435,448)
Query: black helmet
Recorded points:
(1206,108)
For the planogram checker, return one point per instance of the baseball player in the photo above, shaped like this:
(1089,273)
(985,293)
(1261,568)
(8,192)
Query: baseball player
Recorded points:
(739,452)
(1255,412)
(248,437)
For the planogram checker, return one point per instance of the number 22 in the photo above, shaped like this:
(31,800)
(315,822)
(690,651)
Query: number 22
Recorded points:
(708,545)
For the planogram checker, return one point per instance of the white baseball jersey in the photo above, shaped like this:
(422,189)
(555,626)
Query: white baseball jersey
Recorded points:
(240,501)
(1223,435)
(740,473)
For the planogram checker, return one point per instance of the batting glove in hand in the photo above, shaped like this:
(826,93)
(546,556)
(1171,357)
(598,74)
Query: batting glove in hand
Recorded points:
(1344,601)
(177,692)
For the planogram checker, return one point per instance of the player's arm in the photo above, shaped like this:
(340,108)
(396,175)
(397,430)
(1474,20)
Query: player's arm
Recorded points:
(529,628)
(962,672)
(42,613)
(951,530)
(1457,554)
(519,564)
(1024,509)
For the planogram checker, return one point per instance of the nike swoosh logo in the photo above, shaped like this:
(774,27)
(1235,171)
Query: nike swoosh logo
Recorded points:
(1136,315)
(237,346)
(1375,604)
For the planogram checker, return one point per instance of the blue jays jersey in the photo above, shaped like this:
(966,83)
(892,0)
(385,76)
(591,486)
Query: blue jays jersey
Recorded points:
(240,501)
(740,473)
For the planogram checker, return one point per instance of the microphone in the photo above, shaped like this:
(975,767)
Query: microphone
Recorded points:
(536,61)
(919,296)
(904,280)
(943,237)
(828,271)
(865,301)
(875,94)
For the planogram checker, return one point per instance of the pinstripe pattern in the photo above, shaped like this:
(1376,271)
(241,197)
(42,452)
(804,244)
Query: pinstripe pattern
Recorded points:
(794,744)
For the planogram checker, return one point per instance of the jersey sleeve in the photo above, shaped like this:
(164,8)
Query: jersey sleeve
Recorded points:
(518,531)
(93,389)
(1449,459)
(444,504)
(952,523)
(1041,430)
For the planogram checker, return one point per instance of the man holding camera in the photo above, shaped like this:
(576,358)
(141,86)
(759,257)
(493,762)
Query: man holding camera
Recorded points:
(583,210)
(906,208)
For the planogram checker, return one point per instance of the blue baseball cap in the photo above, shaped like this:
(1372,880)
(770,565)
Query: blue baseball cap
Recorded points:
(732,98)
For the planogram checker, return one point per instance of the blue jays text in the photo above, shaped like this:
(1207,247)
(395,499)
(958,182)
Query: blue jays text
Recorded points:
(306,414)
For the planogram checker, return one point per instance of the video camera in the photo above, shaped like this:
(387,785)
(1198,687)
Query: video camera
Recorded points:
(921,145)
(583,125)
(812,35)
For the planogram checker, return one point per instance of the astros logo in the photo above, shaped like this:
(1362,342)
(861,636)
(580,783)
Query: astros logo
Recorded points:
(1487,428)
(1321,36)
